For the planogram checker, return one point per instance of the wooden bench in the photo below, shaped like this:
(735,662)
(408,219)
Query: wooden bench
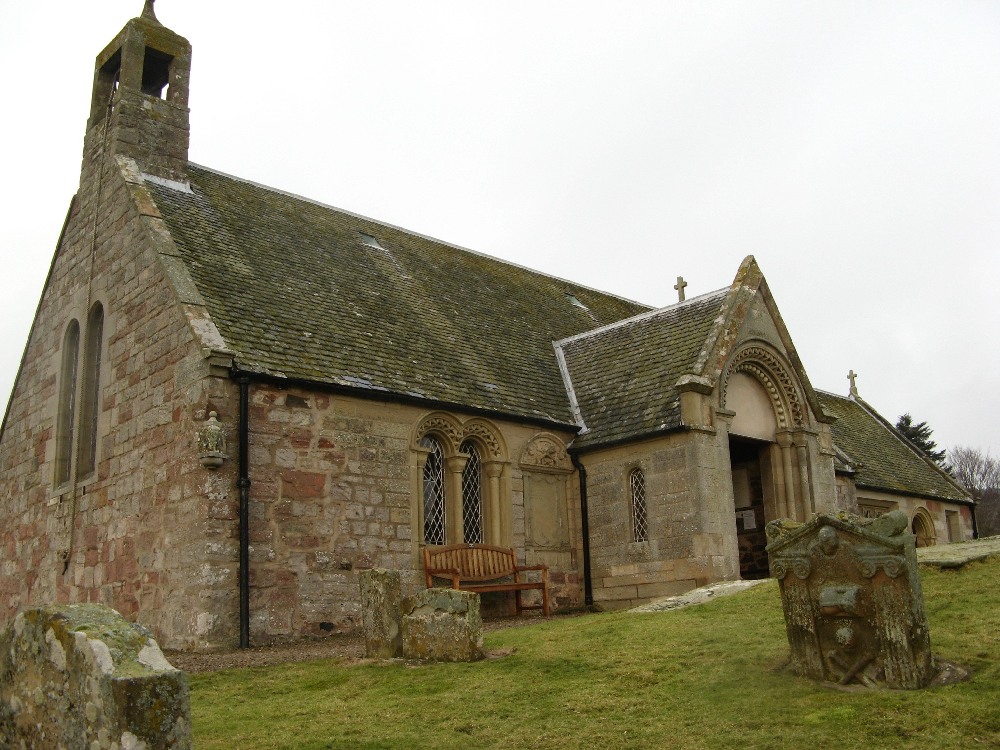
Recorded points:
(481,568)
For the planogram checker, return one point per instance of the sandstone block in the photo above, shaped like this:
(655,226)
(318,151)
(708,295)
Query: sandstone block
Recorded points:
(81,676)
(442,625)
(380,613)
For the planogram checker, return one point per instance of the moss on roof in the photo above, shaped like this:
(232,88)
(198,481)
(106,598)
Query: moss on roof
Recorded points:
(305,291)
(625,376)
(880,456)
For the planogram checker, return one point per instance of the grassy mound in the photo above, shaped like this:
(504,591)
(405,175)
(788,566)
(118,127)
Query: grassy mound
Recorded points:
(703,677)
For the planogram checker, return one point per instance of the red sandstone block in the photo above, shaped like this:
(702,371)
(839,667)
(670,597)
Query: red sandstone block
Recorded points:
(302,484)
(301,439)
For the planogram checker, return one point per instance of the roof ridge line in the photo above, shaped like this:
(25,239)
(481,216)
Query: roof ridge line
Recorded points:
(398,228)
(636,318)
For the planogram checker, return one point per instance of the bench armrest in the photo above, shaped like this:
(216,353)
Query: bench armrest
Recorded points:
(451,573)
(518,569)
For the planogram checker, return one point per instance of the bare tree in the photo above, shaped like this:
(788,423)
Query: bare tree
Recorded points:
(979,473)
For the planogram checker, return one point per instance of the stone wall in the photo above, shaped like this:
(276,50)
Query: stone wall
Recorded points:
(132,534)
(688,545)
(80,676)
(336,489)
(870,503)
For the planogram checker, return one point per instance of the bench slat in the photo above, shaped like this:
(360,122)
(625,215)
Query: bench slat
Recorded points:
(477,563)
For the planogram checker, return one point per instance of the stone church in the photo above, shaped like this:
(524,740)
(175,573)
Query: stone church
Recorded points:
(233,399)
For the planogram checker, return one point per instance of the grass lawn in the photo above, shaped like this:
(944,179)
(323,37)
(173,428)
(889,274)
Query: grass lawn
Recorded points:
(702,677)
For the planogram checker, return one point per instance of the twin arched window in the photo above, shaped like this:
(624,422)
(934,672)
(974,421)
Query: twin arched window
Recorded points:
(435,494)
(76,428)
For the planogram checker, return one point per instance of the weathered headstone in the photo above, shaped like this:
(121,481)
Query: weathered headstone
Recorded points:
(854,608)
(81,676)
(442,625)
(380,613)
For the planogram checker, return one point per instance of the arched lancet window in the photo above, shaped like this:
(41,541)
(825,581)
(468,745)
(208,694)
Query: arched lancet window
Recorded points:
(472,494)
(66,416)
(434,510)
(640,519)
(89,408)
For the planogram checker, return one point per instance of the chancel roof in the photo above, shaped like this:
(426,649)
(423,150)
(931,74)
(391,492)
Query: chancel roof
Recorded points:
(881,458)
(623,377)
(304,291)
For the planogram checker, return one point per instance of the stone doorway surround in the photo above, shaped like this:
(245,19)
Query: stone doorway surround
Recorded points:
(750,506)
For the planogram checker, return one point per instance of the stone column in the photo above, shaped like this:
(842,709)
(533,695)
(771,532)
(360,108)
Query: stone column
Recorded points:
(807,502)
(453,467)
(781,501)
(787,474)
(493,470)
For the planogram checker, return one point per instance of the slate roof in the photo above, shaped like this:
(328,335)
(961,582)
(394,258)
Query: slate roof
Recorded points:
(882,458)
(624,375)
(304,291)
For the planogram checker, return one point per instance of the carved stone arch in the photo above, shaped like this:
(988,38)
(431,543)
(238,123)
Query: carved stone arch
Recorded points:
(488,436)
(922,526)
(444,427)
(546,452)
(771,371)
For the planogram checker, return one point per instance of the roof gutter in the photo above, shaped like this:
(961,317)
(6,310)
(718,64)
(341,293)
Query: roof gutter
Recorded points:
(378,394)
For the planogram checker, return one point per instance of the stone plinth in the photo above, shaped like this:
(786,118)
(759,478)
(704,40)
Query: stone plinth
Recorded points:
(81,676)
(380,613)
(854,608)
(442,625)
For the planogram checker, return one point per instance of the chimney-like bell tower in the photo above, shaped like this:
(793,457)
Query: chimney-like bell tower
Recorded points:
(140,101)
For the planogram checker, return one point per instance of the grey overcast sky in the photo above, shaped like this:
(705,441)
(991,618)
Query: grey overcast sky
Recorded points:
(852,147)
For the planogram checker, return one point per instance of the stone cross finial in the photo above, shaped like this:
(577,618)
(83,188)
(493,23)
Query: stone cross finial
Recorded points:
(852,376)
(679,286)
(147,10)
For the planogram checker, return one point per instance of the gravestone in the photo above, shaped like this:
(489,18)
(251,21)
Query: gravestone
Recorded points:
(442,625)
(81,676)
(853,605)
(380,613)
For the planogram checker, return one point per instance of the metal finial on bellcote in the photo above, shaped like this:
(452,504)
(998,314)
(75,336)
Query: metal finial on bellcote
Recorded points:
(147,10)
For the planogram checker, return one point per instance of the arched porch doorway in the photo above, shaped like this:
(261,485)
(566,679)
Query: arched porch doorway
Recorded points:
(769,455)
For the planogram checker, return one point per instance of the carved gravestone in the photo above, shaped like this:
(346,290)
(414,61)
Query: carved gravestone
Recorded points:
(81,676)
(380,613)
(854,608)
(442,625)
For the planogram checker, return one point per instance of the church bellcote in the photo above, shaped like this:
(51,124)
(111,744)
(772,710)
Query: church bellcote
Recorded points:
(139,106)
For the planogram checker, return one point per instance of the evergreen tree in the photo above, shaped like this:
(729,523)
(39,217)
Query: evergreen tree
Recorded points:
(920,435)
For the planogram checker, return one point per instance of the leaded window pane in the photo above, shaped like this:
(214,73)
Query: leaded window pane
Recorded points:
(434,515)
(640,519)
(472,494)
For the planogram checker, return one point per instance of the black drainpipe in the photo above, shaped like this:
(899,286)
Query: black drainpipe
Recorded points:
(588,587)
(244,484)
(975,526)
